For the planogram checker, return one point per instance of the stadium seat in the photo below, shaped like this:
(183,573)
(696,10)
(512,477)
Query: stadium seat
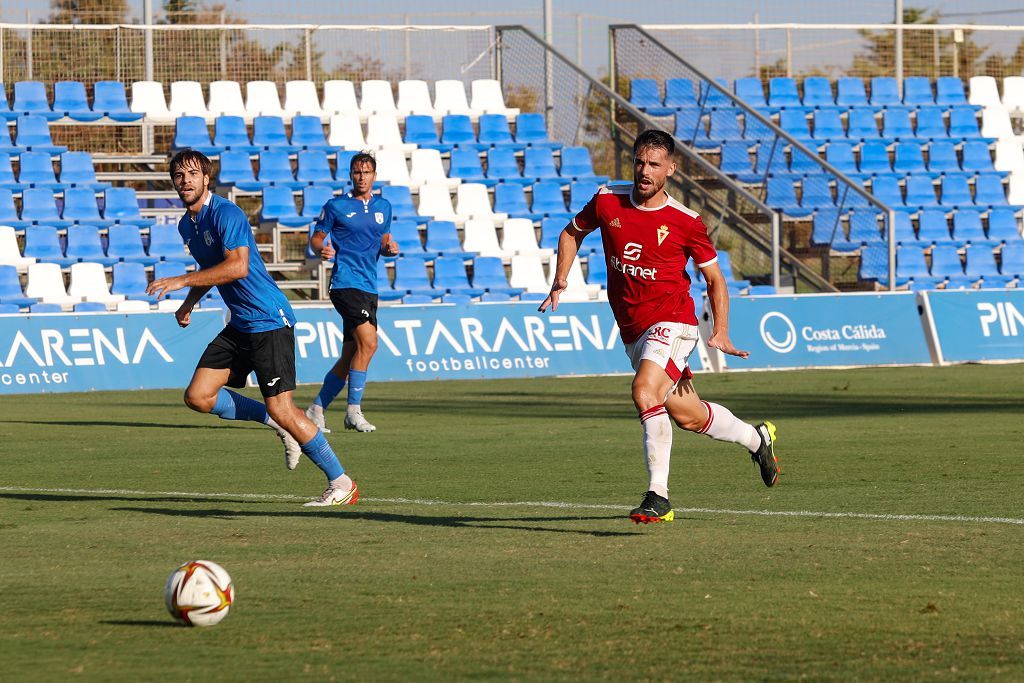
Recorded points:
(428,167)
(917,92)
(827,227)
(165,242)
(955,193)
(690,128)
(346,132)
(968,230)
(407,235)
(751,91)
(436,202)
(33,134)
(942,159)
(933,228)
(314,169)
(850,92)
(904,230)
(930,124)
(510,198)
(580,193)
(480,237)
(262,99)
(226,100)
(487,97)
(124,242)
(1003,226)
(443,239)
(414,100)
(645,96)
(7,179)
(35,169)
(886,189)
(42,243)
(77,170)
(735,161)
(885,92)
(782,93)
(30,98)
(503,167)
(801,163)
(577,289)
(680,94)
(473,201)
(457,130)
(275,168)
(988,190)
(450,276)
(377,98)
(382,133)
(896,126)
(421,132)
(548,199)
(302,99)
(840,155)
(827,126)
(995,124)
(170,269)
(111,100)
(1008,153)
(494,131)
(725,126)
(8,213)
(597,272)
(84,244)
(818,94)
(712,97)
(874,263)
(236,170)
(963,124)
(874,160)
(313,199)
(794,122)
(782,195)
(411,278)
(946,261)
(10,288)
(539,165)
(187,100)
(10,252)
(308,134)
(1015,190)
(864,226)
(450,98)
(70,100)
(861,125)
(190,132)
(122,205)
(1012,256)
(46,284)
(550,231)
(949,91)
(920,192)
(910,263)
(532,129)
(489,275)
(909,159)
(402,207)
(385,291)
(148,99)
(129,281)
(268,133)
(278,206)
(340,98)
(1013,95)
(984,92)
(527,275)
(519,237)
(978,159)
(465,164)
(89,283)
(92,306)
(577,165)
(38,206)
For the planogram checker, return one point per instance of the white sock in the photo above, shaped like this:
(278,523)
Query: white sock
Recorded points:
(344,482)
(657,428)
(724,426)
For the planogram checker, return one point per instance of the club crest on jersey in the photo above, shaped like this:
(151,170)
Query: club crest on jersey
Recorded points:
(615,223)
(379,217)
(208,238)
(662,233)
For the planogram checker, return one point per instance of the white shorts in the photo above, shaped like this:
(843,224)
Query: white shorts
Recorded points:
(667,344)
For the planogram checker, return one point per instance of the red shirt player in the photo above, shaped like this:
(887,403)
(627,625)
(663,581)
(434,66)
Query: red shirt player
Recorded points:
(648,237)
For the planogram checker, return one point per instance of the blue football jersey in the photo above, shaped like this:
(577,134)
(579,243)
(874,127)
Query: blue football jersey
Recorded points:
(356,229)
(255,301)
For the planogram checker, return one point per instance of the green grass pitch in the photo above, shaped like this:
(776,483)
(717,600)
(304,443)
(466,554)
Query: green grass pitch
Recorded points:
(491,542)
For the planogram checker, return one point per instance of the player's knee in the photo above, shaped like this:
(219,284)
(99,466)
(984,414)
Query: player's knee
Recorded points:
(688,422)
(644,396)
(282,413)
(199,401)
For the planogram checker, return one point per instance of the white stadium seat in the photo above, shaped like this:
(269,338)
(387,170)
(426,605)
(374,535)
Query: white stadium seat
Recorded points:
(262,99)
(133,306)
(187,99)
(377,98)
(428,168)
(414,98)
(984,92)
(450,98)
(519,236)
(488,98)
(391,167)
(1009,156)
(995,123)
(226,99)
(168,305)
(148,98)
(301,98)
(1013,94)
(382,133)
(436,202)
(528,273)
(347,132)
(473,200)
(46,283)
(89,283)
(578,289)
(340,97)
(480,236)
(10,253)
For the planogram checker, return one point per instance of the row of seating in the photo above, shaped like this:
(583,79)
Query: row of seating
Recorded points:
(87,281)
(31,134)
(40,206)
(274,167)
(35,169)
(120,242)
(850,231)
(346,132)
(946,264)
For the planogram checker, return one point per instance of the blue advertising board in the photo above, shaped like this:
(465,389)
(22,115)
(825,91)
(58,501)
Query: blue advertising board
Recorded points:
(96,351)
(822,330)
(977,325)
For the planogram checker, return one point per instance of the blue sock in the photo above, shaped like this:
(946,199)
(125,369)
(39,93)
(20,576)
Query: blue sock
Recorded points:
(356,386)
(331,388)
(320,452)
(232,406)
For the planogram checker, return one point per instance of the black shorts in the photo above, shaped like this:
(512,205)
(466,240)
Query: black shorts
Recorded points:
(271,355)
(355,307)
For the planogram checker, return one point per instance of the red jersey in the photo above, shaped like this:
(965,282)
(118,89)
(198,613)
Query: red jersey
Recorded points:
(647,251)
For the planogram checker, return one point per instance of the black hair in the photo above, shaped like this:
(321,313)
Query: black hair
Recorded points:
(654,138)
(362,158)
(190,157)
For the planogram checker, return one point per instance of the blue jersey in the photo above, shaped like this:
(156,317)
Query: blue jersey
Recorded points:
(255,301)
(356,228)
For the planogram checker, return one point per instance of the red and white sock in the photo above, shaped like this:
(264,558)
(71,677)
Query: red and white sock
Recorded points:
(724,426)
(657,428)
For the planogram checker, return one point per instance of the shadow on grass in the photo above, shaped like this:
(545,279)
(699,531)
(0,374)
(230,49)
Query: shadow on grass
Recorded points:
(220,424)
(124,498)
(153,623)
(527,524)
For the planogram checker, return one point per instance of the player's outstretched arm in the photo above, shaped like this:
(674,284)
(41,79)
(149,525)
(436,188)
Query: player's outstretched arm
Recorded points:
(568,246)
(718,294)
(184,313)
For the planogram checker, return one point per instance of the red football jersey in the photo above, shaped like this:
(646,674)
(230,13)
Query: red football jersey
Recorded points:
(647,251)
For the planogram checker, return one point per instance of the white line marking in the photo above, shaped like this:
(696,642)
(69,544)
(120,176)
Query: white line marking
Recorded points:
(536,504)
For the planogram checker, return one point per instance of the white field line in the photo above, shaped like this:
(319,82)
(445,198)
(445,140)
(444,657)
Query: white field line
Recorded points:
(537,504)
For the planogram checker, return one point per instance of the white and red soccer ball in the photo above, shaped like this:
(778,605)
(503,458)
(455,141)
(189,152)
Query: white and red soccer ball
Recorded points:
(199,593)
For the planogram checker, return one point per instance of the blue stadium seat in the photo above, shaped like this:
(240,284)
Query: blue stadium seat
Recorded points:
(166,243)
(864,226)
(30,98)
(121,205)
(465,164)
(840,155)
(129,280)
(443,238)
(751,91)
(45,308)
(816,192)
(5,107)
(503,167)
(6,146)
(896,126)
(1012,257)
(949,92)
(313,199)
(170,269)
(782,195)
(407,235)
(861,125)
(77,170)
(680,93)
(385,290)
(190,132)
(946,261)
(981,265)
(577,165)
(955,193)
(885,92)
(33,133)
(827,227)
(411,278)
(278,206)
(308,134)
(236,170)
(43,244)
(850,92)
(1002,226)
(38,206)
(942,159)
(418,299)
(8,213)
(10,309)
(314,169)
(886,189)
(532,129)
(580,193)
(124,242)
(874,160)
(735,160)
(930,124)
(110,99)
(988,190)
(921,192)
(495,297)
(794,122)
(925,283)
(917,92)
(539,164)
(769,159)
(269,134)
(644,95)
(457,299)
(828,126)
(10,288)
(450,276)
(910,263)
(597,272)
(457,130)
(7,178)
(909,158)
(782,92)
(977,158)
(963,124)
(818,94)
(421,131)
(84,244)
(494,131)
(724,126)
(510,198)
(35,169)
(755,131)
(230,133)
(70,100)
(276,169)
(690,128)
(968,230)
(904,230)
(713,98)
(489,274)
(933,228)
(549,200)
(550,231)
(401,203)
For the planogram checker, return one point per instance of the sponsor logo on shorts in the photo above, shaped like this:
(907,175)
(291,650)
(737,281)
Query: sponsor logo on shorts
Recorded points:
(273,382)
(366,313)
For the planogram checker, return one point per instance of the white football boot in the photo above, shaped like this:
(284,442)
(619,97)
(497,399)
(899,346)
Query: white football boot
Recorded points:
(337,493)
(354,420)
(316,414)
(292,450)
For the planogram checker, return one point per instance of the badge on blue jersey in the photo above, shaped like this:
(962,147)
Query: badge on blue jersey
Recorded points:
(379,216)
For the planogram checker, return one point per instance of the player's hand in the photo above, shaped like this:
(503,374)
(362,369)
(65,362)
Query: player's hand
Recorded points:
(183,315)
(326,253)
(391,248)
(557,286)
(721,342)
(165,285)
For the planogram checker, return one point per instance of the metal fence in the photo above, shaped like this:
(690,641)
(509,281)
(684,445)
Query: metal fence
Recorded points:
(584,111)
(779,164)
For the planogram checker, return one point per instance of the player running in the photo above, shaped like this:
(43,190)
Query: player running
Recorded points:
(358,226)
(259,336)
(648,236)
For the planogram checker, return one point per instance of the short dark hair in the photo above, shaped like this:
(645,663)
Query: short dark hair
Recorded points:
(190,157)
(654,138)
(362,158)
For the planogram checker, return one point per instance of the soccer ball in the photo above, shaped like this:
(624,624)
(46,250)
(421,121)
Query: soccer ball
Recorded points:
(199,593)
